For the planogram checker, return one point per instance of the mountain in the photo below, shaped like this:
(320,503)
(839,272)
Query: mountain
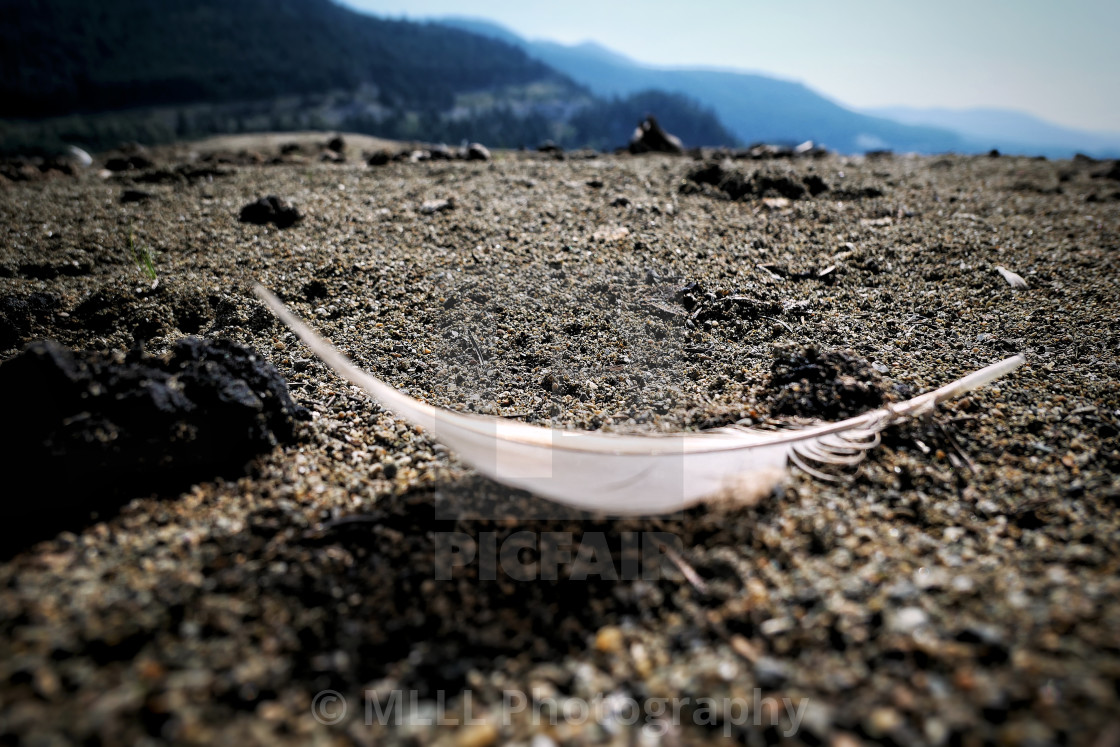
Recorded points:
(97,73)
(1009,131)
(754,107)
(61,56)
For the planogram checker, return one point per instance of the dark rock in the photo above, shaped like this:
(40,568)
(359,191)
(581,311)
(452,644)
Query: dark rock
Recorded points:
(549,147)
(441,153)
(19,313)
(815,184)
(829,385)
(1112,173)
(379,158)
(857,193)
(649,137)
(183,173)
(988,640)
(315,290)
(770,673)
(994,153)
(95,429)
(130,162)
(271,209)
(289,149)
(478,152)
(765,182)
(135,195)
(777,185)
(337,144)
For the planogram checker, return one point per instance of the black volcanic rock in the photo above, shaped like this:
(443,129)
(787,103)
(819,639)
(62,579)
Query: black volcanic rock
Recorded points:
(271,209)
(649,137)
(91,430)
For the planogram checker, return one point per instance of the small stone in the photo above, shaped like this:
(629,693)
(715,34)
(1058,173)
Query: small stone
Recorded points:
(437,206)
(610,233)
(744,648)
(477,735)
(770,673)
(907,620)
(882,721)
(609,640)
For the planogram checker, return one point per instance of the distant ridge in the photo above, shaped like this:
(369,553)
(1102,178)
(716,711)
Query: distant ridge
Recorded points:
(754,107)
(764,108)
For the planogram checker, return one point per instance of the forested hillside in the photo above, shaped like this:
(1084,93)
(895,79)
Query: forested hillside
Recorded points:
(98,72)
(65,56)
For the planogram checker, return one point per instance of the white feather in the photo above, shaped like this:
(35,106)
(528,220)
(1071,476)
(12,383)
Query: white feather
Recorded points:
(645,474)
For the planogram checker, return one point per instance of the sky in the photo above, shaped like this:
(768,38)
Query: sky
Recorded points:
(1056,59)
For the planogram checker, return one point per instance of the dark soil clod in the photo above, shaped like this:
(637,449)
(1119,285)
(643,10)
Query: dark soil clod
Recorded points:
(92,427)
(766,182)
(271,209)
(828,385)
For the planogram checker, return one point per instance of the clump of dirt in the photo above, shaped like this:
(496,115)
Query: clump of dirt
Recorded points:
(271,209)
(704,305)
(53,269)
(828,385)
(766,182)
(81,424)
(140,314)
(181,174)
(20,313)
(144,314)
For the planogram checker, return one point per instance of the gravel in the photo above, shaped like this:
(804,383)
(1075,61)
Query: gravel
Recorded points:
(960,588)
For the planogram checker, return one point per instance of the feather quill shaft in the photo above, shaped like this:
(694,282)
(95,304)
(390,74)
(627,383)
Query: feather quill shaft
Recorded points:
(635,475)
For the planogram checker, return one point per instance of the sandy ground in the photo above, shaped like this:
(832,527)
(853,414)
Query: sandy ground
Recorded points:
(960,588)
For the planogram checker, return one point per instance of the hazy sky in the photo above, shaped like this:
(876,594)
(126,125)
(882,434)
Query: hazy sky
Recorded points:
(1058,59)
